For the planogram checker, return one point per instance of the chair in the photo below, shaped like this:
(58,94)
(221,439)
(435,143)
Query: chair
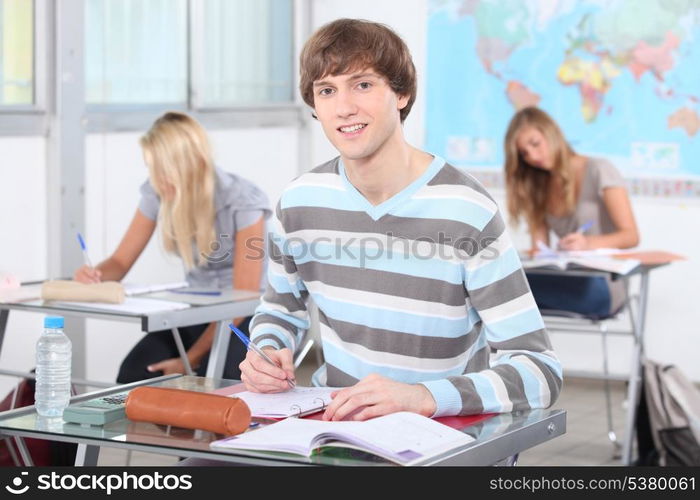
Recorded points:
(566,321)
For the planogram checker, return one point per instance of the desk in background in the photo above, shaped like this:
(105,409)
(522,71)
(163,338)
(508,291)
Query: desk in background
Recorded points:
(222,308)
(648,261)
(496,438)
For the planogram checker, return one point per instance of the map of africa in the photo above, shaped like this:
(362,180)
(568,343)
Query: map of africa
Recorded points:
(621,77)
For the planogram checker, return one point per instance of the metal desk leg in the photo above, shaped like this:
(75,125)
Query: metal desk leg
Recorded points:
(181,350)
(87,455)
(4,313)
(24,452)
(11,451)
(634,386)
(219,349)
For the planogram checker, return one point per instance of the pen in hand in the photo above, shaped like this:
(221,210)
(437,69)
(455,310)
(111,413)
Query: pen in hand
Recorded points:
(585,227)
(83,247)
(252,347)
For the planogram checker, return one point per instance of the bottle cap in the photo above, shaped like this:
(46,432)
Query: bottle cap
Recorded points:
(53,322)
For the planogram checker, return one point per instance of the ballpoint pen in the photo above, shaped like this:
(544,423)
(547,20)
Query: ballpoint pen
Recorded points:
(252,347)
(585,227)
(86,258)
(198,292)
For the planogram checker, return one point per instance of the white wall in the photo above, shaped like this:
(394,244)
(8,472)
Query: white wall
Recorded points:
(23,241)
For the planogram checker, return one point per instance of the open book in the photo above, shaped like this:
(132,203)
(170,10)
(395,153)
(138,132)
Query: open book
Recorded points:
(600,260)
(404,438)
(297,402)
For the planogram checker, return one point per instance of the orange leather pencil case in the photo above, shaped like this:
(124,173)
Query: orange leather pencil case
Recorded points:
(188,409)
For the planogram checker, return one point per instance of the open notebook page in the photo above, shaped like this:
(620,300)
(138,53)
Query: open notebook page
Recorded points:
(131,305)
(405,438)
(139,289)
(297,401)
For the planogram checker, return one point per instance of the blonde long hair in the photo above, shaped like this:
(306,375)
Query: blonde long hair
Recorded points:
(181,170)
(527,187)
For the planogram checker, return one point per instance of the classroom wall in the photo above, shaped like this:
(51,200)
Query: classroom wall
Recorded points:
(23,240)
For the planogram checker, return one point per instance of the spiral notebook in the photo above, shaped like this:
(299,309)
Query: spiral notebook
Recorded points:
(297,402)
(404,438)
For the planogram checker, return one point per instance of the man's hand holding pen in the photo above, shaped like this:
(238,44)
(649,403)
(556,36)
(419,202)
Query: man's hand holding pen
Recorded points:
(259,375)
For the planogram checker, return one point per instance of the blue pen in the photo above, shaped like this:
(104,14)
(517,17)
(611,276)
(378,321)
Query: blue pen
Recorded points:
(198,292)
(83,247)
(252,347)
(585,227)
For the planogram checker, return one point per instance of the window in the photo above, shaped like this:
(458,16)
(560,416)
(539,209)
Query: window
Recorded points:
(235,52)
(243,52)
(16,53)
(135,51)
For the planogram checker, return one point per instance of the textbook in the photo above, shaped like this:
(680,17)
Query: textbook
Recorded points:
(296,402)
(404,438)
(578,260)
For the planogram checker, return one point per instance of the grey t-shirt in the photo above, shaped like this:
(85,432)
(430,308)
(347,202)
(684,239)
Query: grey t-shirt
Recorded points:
(599,174)
(238,203)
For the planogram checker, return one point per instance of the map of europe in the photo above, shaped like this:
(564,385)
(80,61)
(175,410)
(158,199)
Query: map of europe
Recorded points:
(621,77)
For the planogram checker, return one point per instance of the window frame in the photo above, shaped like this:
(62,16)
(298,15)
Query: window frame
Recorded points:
(30,119)
(104,118)
(196,11)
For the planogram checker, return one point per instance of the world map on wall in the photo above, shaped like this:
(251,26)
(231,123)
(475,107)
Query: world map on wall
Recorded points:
(621,77)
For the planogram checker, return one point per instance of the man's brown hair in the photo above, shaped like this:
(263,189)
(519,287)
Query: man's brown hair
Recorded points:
(347,45)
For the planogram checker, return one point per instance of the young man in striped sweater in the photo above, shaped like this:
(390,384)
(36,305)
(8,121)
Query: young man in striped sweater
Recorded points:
(407,258)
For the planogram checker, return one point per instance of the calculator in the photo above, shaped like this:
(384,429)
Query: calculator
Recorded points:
(98,411)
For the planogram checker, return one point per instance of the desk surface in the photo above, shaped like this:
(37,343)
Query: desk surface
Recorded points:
(648,260)
(495,438)
(230,304)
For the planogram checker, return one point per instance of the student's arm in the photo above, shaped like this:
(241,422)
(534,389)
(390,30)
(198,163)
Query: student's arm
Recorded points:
(526,373)
(247,271)
(115,267)
(281,319)
(626,235)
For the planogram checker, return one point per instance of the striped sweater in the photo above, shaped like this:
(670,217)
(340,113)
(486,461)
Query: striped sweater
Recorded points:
(424,288)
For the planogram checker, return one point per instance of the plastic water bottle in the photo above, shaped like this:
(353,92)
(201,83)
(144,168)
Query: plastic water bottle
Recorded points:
(53,368)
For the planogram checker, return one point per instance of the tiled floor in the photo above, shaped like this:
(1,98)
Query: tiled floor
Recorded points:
(585,441)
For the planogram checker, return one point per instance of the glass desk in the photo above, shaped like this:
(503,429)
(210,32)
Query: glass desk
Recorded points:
(496,438)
